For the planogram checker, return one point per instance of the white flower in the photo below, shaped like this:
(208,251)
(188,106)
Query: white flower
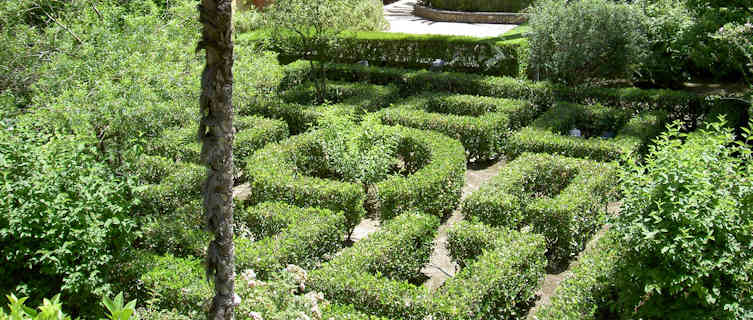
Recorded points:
(256,316)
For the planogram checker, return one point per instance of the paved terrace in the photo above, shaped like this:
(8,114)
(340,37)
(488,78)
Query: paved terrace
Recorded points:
(401,19)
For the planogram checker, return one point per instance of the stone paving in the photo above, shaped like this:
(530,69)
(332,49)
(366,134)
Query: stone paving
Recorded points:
(401,19)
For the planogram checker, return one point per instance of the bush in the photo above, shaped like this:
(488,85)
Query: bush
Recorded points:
(562,198)
(298,171)
(668,23)
(305,242)
(588,290)
(574,42)
(252,133)
(479,5)
(549,132)
(480,123)
(66,218)
(685,223)
(373,275)
(364,97)
(459,53)
(679,104)
(496,282)
(179,185)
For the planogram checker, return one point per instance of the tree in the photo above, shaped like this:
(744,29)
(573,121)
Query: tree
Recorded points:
(307,28)
(217,133)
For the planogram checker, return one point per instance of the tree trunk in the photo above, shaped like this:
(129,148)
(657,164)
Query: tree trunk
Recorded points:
(217,133)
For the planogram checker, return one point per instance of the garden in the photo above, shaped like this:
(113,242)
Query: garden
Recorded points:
(594,162)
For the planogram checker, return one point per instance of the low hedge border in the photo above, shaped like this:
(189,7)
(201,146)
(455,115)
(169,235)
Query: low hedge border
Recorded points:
(374,274)
(179,282)
(469,17)
(305,241)
(298,117)
(459,53)
(367,97)
(481,124)
(167,185)
(501,274)
(562,198)
(549,132)
(280,171)
(587,290)
(253,132)
(678,104)
(335,311)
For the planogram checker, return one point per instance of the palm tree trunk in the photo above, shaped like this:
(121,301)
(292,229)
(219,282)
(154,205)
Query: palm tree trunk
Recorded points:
(217,133)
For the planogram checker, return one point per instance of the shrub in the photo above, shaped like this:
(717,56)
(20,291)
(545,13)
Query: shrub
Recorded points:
(297,171)
(573,42)
(304,242)
(679,104)
(66,218)
(685,223)
(252,133)
(496,282)
(549,132)
(459,53)
(480,123)
(478,5)
(562,198)
(668,23)
(336,311)
(365,97)
(178,187)
(178,232)
(373,275)
(588,289)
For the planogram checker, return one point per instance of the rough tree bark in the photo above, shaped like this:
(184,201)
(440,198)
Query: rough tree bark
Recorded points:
(217,133)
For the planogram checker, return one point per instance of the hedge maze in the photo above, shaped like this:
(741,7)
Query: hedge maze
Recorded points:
(398,152)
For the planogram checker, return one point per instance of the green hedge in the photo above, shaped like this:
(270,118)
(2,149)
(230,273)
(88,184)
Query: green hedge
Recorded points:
(298,117)
(480,123)
(167,185)
(366,97)
(460,53)
(549,132)
(292,171)
(253,132)
(502,270)
(305,241)
(562,198)
(678,104)
(335,311)
(479,5)
(374,274)
(588,289)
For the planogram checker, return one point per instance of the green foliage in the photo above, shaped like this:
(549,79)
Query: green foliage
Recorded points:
(53,309)
(479,5)
(667,24)
(686,222)
(588,290)
(739,35)
(578,41)
(373,274)
(549,132)
(316,234)
(480,123)
(562,198)
(66,217)
(460,53)
(500,283)
(365,97)
(302,171)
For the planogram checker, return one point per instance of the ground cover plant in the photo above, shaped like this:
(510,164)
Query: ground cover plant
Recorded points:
(601,133)
(562,198)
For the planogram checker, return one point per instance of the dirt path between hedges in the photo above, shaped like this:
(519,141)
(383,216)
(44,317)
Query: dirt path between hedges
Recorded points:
(440,266)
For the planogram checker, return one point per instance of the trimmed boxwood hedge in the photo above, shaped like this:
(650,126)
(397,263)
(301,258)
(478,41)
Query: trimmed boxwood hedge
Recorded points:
(374,274)
(479,5)
(167,185)
(562,198)
(678,104)
(336,311)
(306,240)
(502,270)
(549,132)
(290,171)
(253,132)
(588,289)
(480,123)
(366,97)
(460,53)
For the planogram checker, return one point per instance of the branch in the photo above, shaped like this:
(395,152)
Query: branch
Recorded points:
(63,26)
